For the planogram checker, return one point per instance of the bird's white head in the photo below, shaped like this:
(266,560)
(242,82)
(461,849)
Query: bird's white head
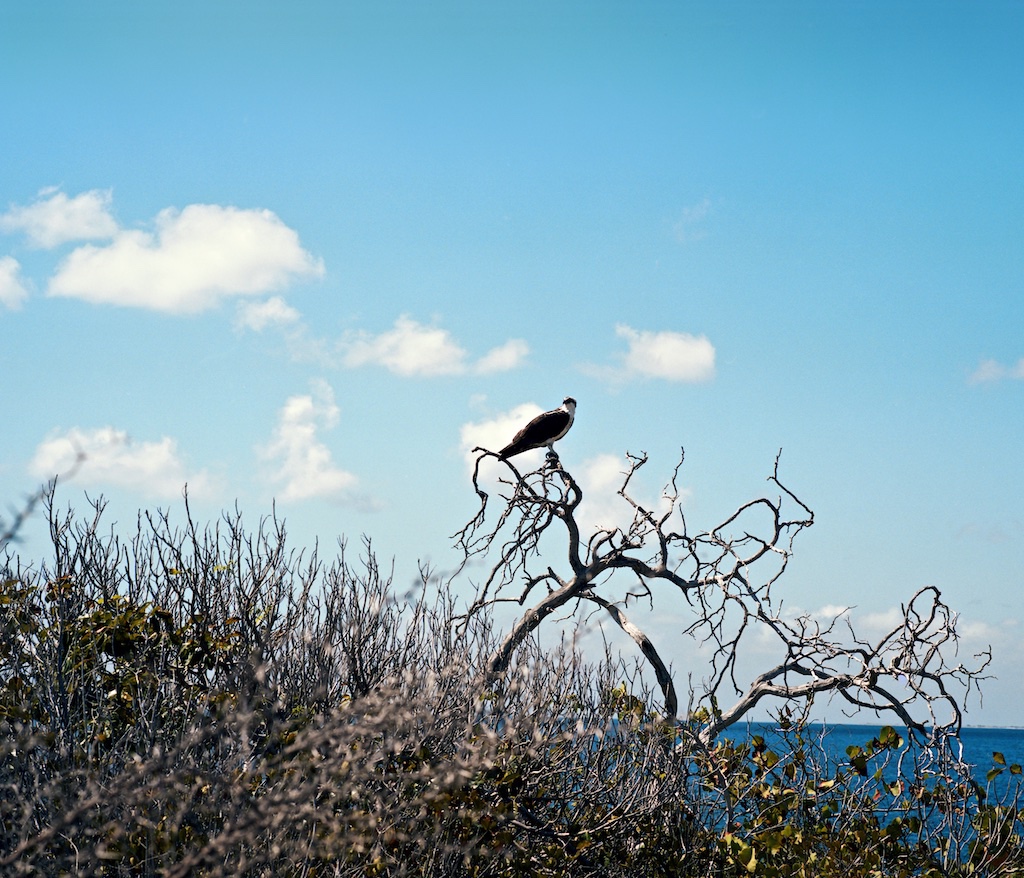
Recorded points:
(569,404)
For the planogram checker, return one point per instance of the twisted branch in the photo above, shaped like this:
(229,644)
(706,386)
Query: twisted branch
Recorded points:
(727,574)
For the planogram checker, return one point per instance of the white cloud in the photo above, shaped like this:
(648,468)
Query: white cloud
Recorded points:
(12,290)
(54,218)
(303,465)
(257,316)
(600,479)
(495,433)
(989,371)
(979,633)
(669,356)
(113,459)
(411,348)
(687,227)
(975,632)
(503,358)
(196,257)
(673,356)
(873,625)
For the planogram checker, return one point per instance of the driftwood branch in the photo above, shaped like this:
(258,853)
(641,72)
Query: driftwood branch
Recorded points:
(727,574)
(647,647)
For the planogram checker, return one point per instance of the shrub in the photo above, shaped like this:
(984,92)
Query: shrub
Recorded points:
(204,701)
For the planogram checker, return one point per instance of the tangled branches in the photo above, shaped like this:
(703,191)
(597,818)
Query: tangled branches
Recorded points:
(206,701)
(727,574)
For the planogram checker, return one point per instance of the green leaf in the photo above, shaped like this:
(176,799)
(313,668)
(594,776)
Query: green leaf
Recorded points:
(860,764)
(747,858)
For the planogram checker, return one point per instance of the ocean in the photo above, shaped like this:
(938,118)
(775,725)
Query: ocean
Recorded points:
(977,745)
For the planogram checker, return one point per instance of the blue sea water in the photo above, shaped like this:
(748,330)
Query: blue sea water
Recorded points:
(981,743)
(975,748)
(977,745)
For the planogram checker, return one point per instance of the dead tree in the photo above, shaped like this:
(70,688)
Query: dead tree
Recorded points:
(727,574)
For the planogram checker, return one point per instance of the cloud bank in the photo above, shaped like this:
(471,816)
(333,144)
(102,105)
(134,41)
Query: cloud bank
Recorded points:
(503,358)
(688,227)
(195,258)
(414,349)
(496,432)
(258,316)
(113,459)
(301,464)
(55,219)
(12,291)
(666,356)
(601,477)
(991,371)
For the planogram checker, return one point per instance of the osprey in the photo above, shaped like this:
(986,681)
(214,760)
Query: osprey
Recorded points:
(545,429)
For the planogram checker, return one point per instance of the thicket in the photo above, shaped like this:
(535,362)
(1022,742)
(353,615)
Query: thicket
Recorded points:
(204,701)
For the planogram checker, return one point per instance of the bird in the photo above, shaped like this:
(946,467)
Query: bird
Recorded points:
(543,430)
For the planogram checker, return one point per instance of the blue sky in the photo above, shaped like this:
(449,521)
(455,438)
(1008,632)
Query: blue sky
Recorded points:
(308,251)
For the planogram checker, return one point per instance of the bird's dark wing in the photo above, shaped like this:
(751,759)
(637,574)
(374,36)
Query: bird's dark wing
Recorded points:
(521,442)
(535,434)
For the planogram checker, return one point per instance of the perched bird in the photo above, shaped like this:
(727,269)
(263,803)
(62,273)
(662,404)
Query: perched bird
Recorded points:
(543,430)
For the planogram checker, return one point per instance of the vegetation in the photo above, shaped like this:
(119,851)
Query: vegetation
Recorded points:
(205,701)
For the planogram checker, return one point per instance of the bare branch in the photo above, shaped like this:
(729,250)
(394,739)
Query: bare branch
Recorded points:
(727,574)
(661,670)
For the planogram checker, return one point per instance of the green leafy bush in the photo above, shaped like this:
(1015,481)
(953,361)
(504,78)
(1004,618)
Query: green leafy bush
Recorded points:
(206,702)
